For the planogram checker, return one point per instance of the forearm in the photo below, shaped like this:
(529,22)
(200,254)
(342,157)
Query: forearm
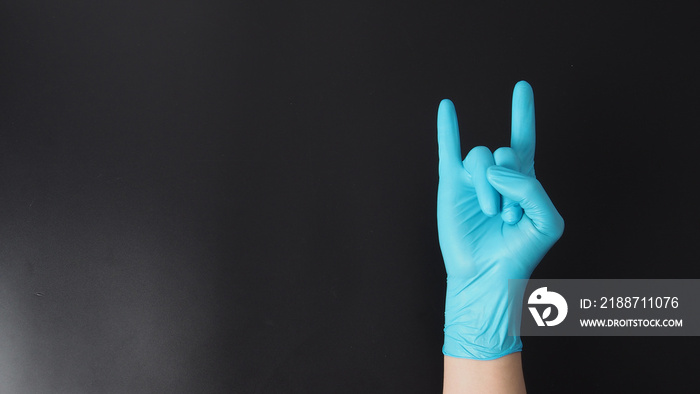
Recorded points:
(500,376)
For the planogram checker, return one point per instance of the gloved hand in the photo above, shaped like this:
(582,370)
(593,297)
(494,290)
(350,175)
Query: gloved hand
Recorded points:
(495,222)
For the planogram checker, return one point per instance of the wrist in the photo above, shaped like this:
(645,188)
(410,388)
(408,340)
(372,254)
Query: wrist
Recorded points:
(479,323)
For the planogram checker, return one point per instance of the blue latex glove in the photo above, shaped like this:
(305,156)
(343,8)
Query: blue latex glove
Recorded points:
(495,222)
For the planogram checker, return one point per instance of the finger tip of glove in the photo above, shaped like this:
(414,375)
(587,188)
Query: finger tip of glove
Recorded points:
(446,112)
(489,213)
(489,210)
(446,103)
(511,215)
(496,171)
(522,85)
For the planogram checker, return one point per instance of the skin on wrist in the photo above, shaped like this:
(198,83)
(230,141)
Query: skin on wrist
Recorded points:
(503,375)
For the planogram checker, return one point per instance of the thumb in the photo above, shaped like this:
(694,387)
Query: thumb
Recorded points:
(528,192)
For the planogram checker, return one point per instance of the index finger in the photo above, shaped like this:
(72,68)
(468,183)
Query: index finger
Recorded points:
(522,138)
(449,151)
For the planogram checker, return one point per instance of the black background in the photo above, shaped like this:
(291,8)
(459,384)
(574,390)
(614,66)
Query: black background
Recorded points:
(239,197)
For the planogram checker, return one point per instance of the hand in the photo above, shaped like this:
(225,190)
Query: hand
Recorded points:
(495,222)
